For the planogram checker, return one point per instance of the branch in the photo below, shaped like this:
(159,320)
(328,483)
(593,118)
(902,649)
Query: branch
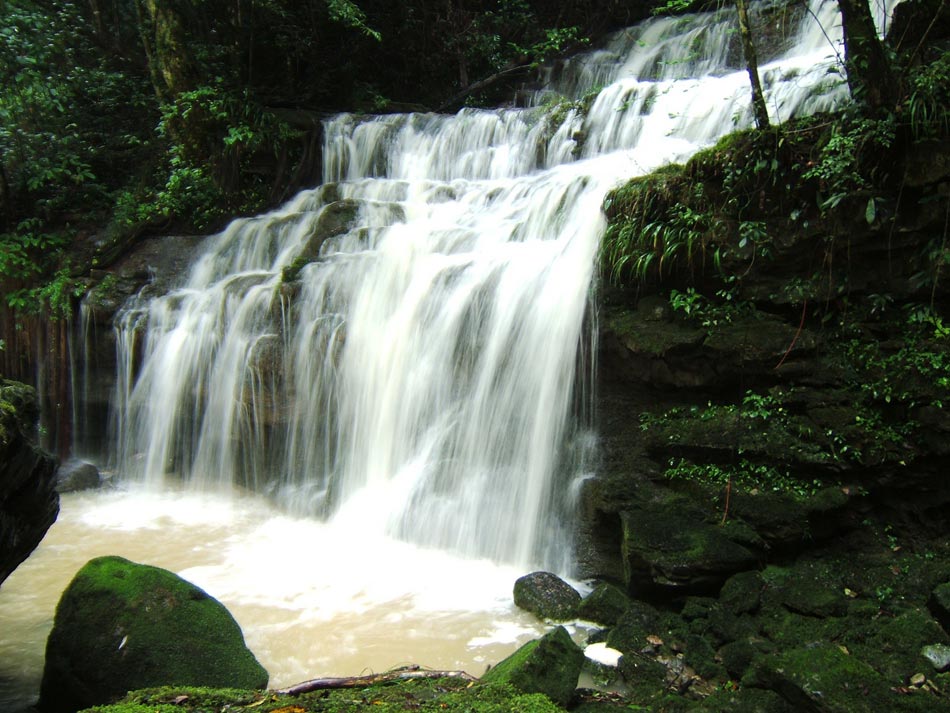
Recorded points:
(401,674)
(455,100)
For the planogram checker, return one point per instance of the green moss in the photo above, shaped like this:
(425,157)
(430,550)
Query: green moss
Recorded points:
(548,665)
(425,696)
(121,626)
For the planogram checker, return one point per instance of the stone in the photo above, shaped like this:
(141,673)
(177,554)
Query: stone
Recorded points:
(665,551)
(742,593)
(547,596)
(939,604)
(605,605)
(549,665)
(75,475)
(822,678)
(121,626)
(938,655)
(29,503)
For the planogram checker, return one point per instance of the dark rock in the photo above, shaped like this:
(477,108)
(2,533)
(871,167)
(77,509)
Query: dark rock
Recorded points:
(639,621)
(121,626)
(939,604)
(547,596)
(549,665)
(29,503)
(663,550)
(744,700)
(76,475)
(604,605)
(742,593)
(642,673)
(822,678)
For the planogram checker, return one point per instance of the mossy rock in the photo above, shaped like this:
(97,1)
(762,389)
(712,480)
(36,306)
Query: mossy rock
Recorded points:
(745,700)
(664,551)
(742,593)
(605,605)
(549,665)
(546,595)
(823,678)
(939,604)
(639,621)
(122,626)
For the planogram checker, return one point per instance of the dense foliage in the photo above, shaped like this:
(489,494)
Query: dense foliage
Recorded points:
(168,114)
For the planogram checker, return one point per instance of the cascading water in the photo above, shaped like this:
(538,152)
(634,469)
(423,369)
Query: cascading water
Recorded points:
(406,353)
(420,374)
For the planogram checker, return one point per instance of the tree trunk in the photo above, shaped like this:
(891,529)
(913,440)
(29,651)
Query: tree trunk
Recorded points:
(759,109)
(870,78)
(170,61)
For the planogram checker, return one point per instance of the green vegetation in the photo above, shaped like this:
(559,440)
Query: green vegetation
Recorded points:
(121,625)
(452,695)
(168,116)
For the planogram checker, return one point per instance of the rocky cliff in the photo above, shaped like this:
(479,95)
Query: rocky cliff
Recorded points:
(28,499)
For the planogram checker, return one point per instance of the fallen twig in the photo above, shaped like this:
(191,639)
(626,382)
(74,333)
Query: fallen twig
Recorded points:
(402,674)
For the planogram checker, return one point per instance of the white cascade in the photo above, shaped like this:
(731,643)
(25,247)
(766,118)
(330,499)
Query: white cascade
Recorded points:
(425,374)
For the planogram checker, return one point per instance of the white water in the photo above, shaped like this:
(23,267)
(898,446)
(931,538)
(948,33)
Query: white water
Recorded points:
(422,382)
(415,405)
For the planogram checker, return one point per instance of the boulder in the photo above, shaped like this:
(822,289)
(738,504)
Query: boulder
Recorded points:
(822,678)
(605,605)
(121,626)
(664,551)
(939,604)
(547,596)
(75,474)
(28,500)
(938,655)
(549,665)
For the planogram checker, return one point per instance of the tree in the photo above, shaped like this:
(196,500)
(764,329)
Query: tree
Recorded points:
(871,78)
(759,109)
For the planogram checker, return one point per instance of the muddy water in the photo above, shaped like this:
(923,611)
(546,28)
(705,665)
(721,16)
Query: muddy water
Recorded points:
(313,600)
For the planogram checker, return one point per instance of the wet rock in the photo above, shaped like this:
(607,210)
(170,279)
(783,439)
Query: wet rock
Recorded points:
(822,678)
(634,628)
(663,550)
(74,475)
(938,655)
(643,674)
(604,605)
(121,626)
(547,596)
(29,503)
(742,593)
(939,604)
(744,700)
(549,665)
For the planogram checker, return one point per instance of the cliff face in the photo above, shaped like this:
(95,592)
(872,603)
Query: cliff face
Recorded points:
(779,368)
(29,503)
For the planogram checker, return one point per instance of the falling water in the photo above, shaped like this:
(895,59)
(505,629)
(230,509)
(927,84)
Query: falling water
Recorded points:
(400,359)
(400,346)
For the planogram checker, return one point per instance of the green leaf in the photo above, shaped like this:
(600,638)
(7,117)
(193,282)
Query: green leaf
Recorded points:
(870,213)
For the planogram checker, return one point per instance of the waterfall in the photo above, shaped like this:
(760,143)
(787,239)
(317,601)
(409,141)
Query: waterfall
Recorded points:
(406,348)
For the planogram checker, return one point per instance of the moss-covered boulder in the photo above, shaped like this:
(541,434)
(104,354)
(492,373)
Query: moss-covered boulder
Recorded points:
(547,596)
(122,626)
(823,678)
(664,551)
(549,665)
(939,604)
(605,605)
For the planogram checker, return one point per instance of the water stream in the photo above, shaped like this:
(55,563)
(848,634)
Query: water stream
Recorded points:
(360,417)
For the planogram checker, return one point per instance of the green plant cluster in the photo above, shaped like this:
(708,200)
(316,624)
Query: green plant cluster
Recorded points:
(451,695)
(715,215)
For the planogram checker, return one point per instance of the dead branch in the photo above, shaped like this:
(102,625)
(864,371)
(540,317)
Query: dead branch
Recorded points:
(402,674)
